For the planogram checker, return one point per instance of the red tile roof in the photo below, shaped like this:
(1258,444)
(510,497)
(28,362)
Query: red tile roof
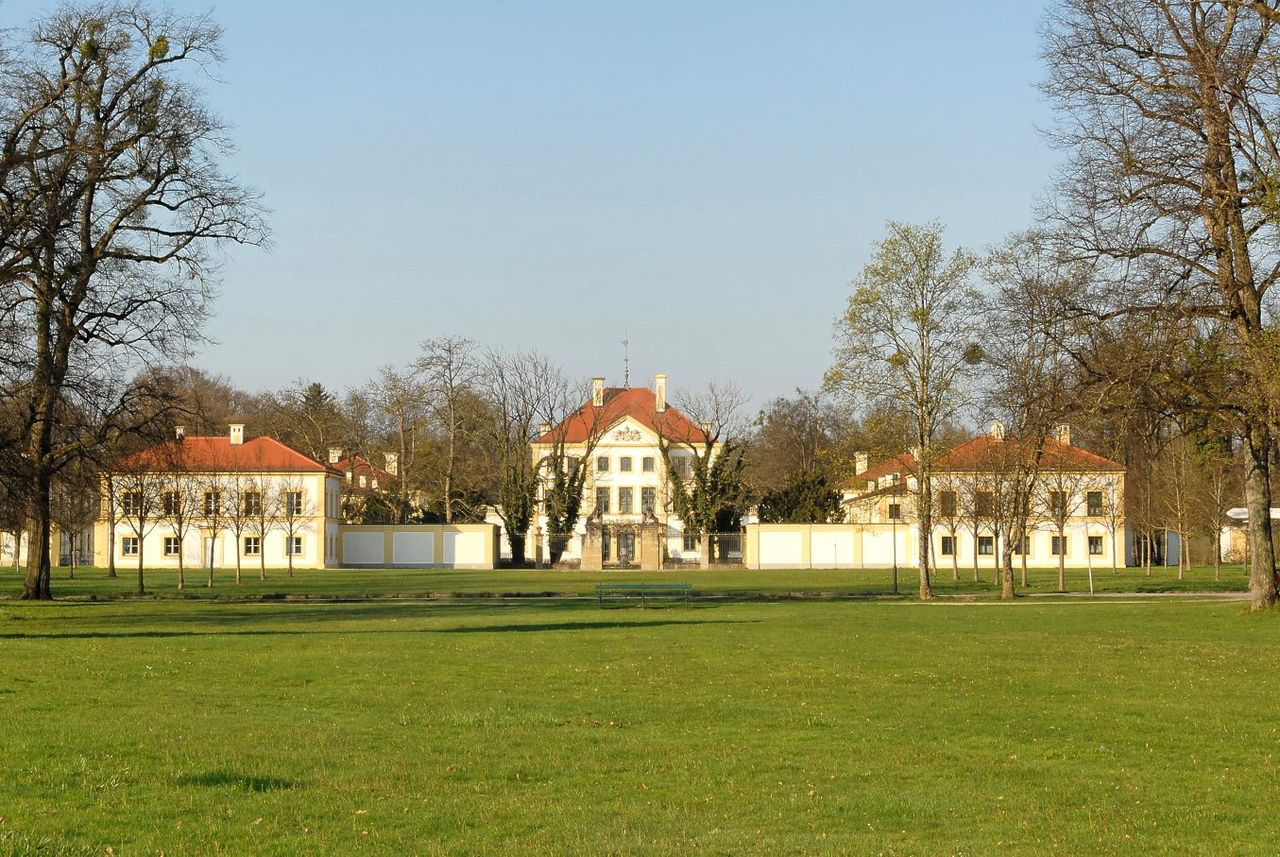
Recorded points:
(639,403)
(358,465)
(985,450)
(902,463)
(216,454)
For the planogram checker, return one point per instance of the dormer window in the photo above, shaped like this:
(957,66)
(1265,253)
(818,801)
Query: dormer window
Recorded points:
(362,480)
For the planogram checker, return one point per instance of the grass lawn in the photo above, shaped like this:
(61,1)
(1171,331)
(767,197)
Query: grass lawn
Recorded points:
(195,727)
(94,583)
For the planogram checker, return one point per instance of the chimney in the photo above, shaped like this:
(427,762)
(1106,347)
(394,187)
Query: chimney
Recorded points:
(544,428)
(393,463)
(179,432)
(997,430)
(860,462)
(597,391)
(706,428)
(660,391)
(1063,434)
(237,434)
(335,454)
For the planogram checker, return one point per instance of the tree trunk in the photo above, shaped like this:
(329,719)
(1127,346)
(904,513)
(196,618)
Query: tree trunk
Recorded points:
(142,589)
(976,578)
(1062,560)
(517,548)
(111,527)
(925,533)
(262,559)
(1257,495)
(213,544)
(1006,576)
(955,558)
(237,560)
(1024,566)
(182,578)
(36,586)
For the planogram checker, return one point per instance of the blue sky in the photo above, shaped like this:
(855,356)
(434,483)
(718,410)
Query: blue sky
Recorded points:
(707,176)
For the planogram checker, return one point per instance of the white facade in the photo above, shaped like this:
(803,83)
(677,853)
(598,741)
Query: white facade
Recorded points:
(157,538)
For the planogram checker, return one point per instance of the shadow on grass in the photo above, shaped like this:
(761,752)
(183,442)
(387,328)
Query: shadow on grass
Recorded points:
(287,632)
(587,626)
(239,782)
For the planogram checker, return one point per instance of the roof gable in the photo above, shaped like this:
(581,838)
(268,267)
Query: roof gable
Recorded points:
(218,454)
(986,451)
(621,403)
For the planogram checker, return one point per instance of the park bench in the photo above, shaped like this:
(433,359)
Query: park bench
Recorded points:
(643,592)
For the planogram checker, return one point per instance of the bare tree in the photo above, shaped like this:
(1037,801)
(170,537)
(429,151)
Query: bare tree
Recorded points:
(242,501)
(75,506)
(450,372)
(262,511)
(180,502)
(139,507)
(707,489)
(565,466)
(215,516)
(114,199)
(526,391)
(1060,499)
(1166,109)
(904,339)
(296,510)
(950,490)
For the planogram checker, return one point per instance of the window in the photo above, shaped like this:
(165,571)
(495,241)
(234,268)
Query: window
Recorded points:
(572,463)
(1095,545)
(1058,503)
(986,545)
(681,465)
(364,481)
(624,464)
(212,503)
(293,545)
(293,502)
(648,499)
(170,502)
(895,511)
(1020,545)
(624,501)
(129,546)
(602,501)
(606,546)
(1058,546)
(947,504)
(1093,502)
(171,546)
(692,542)
(252,546)
(984,504)
(948,546)
(646,464)
(131,503)
(253,503)
(602,464)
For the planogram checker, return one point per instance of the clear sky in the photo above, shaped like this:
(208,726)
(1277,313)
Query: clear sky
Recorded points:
(706,176)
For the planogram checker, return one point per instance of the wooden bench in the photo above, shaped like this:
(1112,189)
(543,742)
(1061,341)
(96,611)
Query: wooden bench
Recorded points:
(643,592)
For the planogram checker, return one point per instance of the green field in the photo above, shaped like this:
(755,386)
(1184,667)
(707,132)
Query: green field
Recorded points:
(418,583)
(797,727)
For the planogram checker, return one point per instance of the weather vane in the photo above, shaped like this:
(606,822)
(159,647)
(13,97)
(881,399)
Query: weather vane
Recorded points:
(626,358)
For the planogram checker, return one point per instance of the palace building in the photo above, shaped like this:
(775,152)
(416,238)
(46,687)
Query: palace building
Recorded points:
(628,439)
